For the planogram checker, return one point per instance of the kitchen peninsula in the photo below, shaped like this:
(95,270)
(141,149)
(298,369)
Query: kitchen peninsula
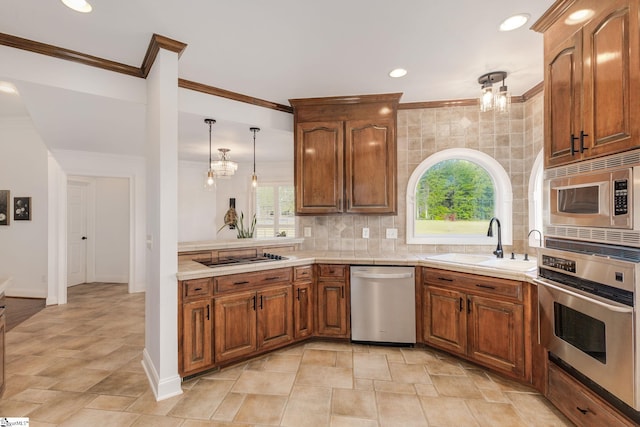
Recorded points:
(473,306)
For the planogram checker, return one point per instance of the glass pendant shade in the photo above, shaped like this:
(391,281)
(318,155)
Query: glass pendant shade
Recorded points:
(254,177)
(486,99)
(503,100)
(209,180)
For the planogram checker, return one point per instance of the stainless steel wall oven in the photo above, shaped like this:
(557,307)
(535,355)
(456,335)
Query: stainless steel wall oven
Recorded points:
(588,319)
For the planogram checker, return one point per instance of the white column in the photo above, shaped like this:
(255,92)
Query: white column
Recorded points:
(160,357)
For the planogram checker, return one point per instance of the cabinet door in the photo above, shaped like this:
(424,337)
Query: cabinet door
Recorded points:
(302,310)
(197,346)
(235,326)
(319,169)
(496,334)
(445,320)
(275,317)
(371,166)
(332,309)
(610,102)
(563,91)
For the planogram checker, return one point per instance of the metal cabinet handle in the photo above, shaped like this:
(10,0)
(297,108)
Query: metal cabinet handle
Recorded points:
(244,282)
(461,304)
(583,411)
(468,305)
(272,278)
(208,312)
(582,137)
(485,286)
(197,289)
(298,294)
(254,303)
(573,149)
(261,302)
(445,279)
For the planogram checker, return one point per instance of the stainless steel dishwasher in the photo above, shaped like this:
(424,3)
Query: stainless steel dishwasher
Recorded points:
(383,307)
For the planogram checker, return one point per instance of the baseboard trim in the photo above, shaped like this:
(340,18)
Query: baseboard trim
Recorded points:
(162,389)
(25,293)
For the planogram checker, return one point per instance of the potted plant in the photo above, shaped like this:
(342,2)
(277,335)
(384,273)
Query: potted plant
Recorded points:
(245,233)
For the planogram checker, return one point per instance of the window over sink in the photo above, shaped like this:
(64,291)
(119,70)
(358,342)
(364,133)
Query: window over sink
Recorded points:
(452,195)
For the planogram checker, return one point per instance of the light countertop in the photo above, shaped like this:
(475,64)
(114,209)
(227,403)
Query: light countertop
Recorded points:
(516,270)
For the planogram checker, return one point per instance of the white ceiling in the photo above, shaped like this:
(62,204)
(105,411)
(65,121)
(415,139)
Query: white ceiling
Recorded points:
(273,50)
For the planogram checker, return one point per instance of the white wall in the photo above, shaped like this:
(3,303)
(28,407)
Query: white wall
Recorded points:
(23,244)
(196,206)
(201,213)
(112,230)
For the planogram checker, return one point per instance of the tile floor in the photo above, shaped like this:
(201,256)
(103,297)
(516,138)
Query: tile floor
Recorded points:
(79,365)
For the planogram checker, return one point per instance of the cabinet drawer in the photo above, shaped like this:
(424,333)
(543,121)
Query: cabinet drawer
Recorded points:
(196,288)
(579,404)
(304,273)
(332,270)
(242,281)
(474,283)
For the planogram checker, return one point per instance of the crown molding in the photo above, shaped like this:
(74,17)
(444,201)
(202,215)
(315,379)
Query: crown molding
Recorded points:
(159,42)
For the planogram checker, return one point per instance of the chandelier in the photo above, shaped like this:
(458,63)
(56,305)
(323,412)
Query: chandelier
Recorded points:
(500,101)
(224,167)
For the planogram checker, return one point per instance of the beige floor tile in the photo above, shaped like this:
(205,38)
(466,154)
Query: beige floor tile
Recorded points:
(319,358)
(410,374)
(495,414)
(417,356)
(401,410)
(354,403)
(340,421)
(35,395)
(394,387)
(537,411)
(17,408)
(282,363)
(80,380)
(202,400)
(426,390)
(230,373)
(325,376)
(263,382)
(371,365)
(18,383)
(122,384)
(59,409)
(444,367)
(98,417)
(344,359)
(147,404)
(229,407)
(307,406)
(363,384)
(261,409)
(496,396)
(111,403)
(329,345)
(156,421)
(456,386)
(447,412)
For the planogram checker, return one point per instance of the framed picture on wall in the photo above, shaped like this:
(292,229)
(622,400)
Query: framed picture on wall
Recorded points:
(4,207)
(22,208)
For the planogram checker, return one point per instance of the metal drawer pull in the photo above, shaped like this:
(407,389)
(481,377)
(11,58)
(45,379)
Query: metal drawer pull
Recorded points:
(260,302)
(583,411)
(485,286)
(197,289)
(298,294)
(244,282)
(445,279)
(273,278)
(461,303)
(208,312)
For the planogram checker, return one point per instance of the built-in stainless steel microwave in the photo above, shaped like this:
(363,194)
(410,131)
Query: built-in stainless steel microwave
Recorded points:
(603,199)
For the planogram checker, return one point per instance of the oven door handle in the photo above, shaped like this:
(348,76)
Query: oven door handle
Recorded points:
(610,307)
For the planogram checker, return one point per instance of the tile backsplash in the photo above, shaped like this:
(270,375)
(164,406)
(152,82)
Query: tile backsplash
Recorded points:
(514,141)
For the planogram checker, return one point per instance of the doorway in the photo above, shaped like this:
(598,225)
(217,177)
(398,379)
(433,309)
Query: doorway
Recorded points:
(98,234)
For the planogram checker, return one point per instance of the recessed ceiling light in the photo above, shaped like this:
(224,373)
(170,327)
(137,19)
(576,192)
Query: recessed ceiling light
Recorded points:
(6,87)
(78,5)
(398,72)
(514,22)
(579,16)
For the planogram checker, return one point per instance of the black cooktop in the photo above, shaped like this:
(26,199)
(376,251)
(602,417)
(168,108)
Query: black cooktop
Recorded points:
(222,262)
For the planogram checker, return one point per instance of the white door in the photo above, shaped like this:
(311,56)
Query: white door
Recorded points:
(76,234)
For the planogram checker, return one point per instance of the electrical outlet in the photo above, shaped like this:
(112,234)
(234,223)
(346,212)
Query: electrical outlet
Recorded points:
(392,233)
(365,233)
(307,232)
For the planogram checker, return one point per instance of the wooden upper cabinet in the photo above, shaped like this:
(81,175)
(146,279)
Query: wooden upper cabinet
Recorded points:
(319,167)
(345,154)
(592,80)
(370,155)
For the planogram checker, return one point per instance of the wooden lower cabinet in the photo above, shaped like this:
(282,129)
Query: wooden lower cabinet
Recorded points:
(477,317)
(248,322)
(302,310)
(197,352)
(579,404)
(332,309)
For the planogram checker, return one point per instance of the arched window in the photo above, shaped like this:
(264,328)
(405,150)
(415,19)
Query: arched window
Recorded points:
(452,195)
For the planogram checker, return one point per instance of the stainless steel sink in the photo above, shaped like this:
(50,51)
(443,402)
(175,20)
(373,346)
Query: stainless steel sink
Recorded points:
(482,260)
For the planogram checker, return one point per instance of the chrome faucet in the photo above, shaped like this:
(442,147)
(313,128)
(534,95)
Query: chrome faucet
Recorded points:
(539,233)
(498,252)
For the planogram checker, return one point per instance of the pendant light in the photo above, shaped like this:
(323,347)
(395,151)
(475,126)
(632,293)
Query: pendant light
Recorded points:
(500,101)
(210,183)
(254,177)
(224,167)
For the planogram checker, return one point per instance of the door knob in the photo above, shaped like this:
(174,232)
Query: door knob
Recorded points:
(84,237)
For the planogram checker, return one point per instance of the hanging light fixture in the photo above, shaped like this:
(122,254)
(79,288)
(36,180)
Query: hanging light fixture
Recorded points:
(254,177)
(210,183)
(500,101)
(224,167)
